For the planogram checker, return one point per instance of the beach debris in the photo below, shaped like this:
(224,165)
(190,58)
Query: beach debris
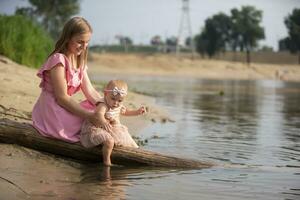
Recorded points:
(14,184)
(9,154)
(3,60)
(164,120)
(16,114)
(139,141)
(155,137)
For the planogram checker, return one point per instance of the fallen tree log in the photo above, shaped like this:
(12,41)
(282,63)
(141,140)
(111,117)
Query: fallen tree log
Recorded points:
(24,134)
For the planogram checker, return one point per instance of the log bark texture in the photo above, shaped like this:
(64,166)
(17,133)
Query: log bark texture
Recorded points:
(24,134)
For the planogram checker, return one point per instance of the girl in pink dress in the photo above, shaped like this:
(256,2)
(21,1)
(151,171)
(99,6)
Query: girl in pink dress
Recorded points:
(56,114)
(109,110)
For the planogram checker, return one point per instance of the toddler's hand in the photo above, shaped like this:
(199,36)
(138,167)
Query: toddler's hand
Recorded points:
(112,120)
(106,126)
(143,110)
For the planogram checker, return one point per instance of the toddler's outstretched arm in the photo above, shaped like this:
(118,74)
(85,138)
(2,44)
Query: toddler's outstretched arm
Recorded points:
(140,111)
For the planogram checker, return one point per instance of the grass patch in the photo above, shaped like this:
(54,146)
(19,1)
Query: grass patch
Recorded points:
(23,41)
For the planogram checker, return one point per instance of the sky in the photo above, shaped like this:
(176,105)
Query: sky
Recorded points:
(142,19)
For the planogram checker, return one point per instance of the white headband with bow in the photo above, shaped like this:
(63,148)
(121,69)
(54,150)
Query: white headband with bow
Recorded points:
(116,91)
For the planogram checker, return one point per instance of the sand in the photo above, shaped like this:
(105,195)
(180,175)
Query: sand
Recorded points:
(170,65)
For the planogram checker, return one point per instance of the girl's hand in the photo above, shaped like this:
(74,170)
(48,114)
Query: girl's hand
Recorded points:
(106,126)
(142,110)
(112,121)
(95,119)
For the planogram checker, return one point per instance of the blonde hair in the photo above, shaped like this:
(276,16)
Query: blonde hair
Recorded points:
(75,26)
(116,83)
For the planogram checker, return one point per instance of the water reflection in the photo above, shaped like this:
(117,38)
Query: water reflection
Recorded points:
(114,182)
(291,110)
(97,183)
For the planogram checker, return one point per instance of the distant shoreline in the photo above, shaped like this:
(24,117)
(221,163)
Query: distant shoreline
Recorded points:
(170,65)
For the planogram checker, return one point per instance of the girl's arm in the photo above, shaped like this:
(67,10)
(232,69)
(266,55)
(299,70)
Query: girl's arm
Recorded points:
(100,112)
(59,84)
(140,111)
(88,90)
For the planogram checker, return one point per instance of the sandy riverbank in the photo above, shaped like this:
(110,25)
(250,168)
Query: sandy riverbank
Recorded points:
(170,65)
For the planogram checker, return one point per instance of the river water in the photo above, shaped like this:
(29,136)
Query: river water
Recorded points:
(249,129)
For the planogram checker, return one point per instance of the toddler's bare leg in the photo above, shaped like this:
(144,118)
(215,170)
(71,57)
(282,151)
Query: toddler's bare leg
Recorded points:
(107,148)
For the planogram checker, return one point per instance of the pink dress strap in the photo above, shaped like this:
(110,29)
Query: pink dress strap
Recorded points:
(73,77)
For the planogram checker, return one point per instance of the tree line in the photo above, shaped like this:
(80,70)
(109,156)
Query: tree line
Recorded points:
(292,41)
(239,31)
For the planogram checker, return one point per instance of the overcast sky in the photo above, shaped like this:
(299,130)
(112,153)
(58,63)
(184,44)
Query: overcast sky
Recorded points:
(142,19)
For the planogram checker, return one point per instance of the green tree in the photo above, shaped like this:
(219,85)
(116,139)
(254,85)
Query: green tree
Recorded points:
(188,41)
(212,38)
(125,41)
(285,44)
(172,41)
(201,43)
(156,40)
(51,14)
(292,23)
(266,48)
(215,36)
(246,28)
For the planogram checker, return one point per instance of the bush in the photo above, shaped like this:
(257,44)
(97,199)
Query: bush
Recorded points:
(23,41)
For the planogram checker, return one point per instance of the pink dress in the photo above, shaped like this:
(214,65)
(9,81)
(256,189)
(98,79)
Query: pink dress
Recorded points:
(49,118)
(92,136)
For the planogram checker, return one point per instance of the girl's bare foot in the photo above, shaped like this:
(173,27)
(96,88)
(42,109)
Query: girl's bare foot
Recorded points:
(106,173)
(107,164)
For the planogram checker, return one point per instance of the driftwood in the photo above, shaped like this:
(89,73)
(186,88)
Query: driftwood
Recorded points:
(25,135)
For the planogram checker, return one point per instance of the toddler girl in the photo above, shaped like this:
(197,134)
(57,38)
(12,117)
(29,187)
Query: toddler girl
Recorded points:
(110,129)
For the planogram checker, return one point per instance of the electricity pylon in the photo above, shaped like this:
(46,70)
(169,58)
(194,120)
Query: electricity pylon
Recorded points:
(185,29)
